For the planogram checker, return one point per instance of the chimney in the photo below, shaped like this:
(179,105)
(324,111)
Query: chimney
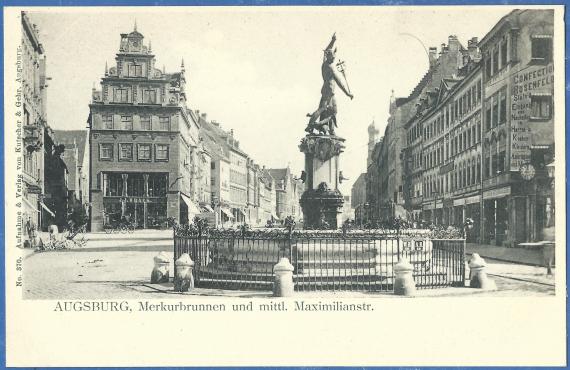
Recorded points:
(473,47)
(443,49)
(204,116)
(232,132)
(453,43)
(432,56)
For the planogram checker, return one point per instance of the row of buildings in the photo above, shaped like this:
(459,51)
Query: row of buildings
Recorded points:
(53,178)
(146,155)
(474,139)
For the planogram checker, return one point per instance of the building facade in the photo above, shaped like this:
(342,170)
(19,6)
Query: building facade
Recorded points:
(34,128)
(142,142)
(518,128)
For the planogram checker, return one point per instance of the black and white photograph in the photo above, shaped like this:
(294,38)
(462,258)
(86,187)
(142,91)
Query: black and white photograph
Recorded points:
(296,159)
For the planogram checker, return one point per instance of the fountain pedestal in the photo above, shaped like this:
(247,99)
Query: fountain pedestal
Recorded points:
(322,201)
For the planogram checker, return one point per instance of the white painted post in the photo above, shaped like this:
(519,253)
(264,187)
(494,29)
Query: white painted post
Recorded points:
(479,278)
(184,280)
(160,272)
(404,283)
(283,285)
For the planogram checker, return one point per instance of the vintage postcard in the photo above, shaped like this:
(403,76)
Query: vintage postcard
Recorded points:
(306,186)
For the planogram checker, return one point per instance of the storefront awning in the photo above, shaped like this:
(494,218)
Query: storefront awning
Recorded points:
(241,211)
(47,209)
(208,208)
(274,216)
(192,207)
(227,212)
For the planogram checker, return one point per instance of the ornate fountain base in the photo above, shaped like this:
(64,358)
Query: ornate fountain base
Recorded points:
(322,201)
(322,209)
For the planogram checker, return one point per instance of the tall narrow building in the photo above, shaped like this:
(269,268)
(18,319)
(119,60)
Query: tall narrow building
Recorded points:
(143,142)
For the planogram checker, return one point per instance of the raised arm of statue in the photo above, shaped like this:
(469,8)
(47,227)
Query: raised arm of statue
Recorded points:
(340,84)
(331,44)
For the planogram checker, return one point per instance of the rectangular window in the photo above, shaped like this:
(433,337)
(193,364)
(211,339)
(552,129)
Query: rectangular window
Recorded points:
(108,121)
(501,162)
(488,65)
(106,151)
(541,48)
(478,93)
(504,53)
(121,95)
(503,108)
(125,152)
(164,123)
(149,96)
(127,123)
(541,107)
(496,60)
(143,152)
(495,117)
(135,70)
(161,152)
(145,123)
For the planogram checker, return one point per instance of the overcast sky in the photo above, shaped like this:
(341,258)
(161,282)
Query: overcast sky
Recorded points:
(257,70)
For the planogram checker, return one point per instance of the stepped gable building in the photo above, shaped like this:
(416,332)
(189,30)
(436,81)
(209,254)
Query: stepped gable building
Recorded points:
(142,143)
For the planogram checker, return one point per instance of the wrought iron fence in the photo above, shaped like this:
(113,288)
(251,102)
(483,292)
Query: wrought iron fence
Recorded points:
(322,260)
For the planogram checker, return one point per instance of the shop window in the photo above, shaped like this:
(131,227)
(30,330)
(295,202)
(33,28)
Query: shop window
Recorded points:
(541,48)
(108,121)
(157,185)
(541,107)
(106,152)
(127,123)
(161,152)
(135,185)
(144,152)
(113,184)
(146,124)
(125,152)
(164,123)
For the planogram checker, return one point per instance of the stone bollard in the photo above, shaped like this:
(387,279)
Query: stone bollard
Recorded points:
(478,275)
(183,280)
(283,285)
(548,256)
(404,283)
(160,272)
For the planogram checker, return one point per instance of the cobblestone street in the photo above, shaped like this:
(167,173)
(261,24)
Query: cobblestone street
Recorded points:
(118,266)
